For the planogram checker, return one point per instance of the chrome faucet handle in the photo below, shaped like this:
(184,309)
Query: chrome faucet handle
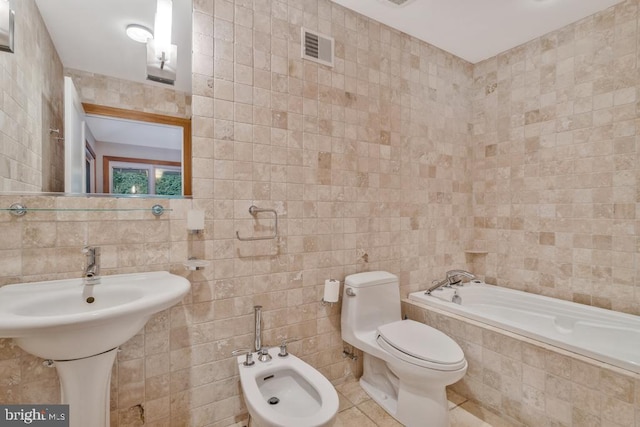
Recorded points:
(263,354)
(283,346)
(246,351)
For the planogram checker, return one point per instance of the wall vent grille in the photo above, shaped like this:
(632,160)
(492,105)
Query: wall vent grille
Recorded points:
(317,47)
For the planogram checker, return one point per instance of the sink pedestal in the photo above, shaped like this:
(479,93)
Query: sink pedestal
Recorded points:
(85,385)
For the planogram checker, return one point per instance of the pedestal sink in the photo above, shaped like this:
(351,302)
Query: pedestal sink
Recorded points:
(80,326)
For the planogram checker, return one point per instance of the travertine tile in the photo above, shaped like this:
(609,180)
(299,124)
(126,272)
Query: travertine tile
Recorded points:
(379,416)
(353,417)
(399,158)
(353,392)
(553,386)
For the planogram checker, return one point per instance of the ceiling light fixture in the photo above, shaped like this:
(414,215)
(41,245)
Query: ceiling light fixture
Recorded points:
(7,18)
(139,33)
(162,56)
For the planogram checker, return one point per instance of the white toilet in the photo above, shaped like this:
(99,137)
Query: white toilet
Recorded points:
(407,364)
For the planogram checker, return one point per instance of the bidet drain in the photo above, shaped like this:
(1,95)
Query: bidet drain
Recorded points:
(273,400)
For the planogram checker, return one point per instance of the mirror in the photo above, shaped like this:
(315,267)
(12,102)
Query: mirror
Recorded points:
(132,152)
(88,44)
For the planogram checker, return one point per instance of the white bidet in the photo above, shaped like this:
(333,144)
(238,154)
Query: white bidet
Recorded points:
(286,392)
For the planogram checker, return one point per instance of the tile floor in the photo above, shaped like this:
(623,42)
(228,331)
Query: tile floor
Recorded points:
(357,409)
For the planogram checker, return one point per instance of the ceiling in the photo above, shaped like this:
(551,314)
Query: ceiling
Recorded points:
(143,134)
(89,35)
(476,30)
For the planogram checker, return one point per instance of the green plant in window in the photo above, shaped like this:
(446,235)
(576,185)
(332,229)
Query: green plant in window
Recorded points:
(130,181)
(169,184)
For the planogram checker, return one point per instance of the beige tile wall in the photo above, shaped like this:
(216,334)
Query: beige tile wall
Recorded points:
(556,162)
(365,164)
(533,384)
(371,165)
(114,92)
(31,79)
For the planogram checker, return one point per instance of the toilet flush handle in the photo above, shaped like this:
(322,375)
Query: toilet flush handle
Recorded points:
(350,292)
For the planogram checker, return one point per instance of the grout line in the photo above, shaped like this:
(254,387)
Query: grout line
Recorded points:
(366,415)
(458,405)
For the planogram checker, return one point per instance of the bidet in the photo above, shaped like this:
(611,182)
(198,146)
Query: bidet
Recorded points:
(287,392)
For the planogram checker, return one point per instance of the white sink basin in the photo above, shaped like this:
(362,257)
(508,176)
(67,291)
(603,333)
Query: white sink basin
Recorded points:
(54,319)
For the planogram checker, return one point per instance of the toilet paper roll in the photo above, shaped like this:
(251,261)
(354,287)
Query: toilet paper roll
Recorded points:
(331,290)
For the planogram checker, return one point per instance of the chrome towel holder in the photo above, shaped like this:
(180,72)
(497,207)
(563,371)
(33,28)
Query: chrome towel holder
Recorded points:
(254,210)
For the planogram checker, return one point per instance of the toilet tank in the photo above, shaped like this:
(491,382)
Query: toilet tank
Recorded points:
(376,301)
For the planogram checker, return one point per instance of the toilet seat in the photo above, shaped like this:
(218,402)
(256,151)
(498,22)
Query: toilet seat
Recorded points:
(421,345)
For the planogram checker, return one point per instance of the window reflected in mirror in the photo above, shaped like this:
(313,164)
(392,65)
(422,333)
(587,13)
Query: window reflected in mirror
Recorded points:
(141,176)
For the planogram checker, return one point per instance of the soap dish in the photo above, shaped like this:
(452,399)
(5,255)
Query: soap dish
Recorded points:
(195,264)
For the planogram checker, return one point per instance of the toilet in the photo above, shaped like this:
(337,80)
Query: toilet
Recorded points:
(407,365)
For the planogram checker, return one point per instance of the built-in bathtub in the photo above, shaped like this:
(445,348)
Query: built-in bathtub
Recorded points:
(604,335)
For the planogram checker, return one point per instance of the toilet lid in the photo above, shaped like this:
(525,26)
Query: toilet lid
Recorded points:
(416,342)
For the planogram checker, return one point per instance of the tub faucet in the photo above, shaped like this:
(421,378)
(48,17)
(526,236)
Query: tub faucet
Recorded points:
(456,274)
(91,274)
(453,278)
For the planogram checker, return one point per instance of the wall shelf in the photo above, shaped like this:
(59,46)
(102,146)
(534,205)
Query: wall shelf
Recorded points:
(18,210)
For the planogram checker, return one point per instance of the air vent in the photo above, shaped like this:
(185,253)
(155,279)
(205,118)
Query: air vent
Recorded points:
(317,47)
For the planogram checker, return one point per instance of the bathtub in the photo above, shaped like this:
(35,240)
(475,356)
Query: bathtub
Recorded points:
(604,335)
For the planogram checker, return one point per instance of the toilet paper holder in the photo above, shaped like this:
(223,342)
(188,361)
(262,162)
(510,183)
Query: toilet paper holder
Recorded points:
(332,293)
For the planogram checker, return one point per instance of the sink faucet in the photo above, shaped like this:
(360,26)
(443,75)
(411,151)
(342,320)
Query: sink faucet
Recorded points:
(453,278)
(91,274)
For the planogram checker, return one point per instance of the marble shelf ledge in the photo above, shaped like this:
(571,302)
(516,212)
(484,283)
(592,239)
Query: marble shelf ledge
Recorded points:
(475,252)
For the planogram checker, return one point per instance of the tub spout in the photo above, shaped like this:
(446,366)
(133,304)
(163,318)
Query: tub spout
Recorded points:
(453,278)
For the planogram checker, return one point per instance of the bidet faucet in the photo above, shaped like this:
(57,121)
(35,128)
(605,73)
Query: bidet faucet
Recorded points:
(283,346)
(91,274)
(257,311)
(263,352)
